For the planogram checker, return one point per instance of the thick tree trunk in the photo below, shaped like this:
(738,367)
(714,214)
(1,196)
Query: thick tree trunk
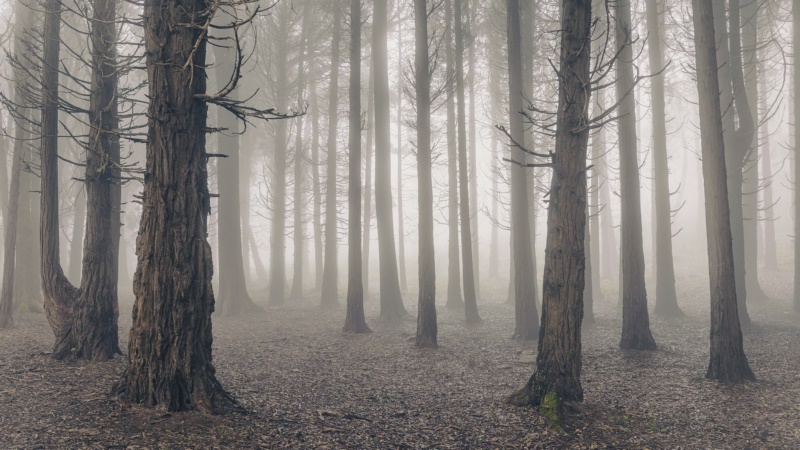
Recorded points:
(728,362)
(391,299)
(355,321)
(635,319)
(558,361)
(170,340)
(426,313)
(525,314)
(94,325)
(470,296)
(666,297)
(330,276)
(454,298)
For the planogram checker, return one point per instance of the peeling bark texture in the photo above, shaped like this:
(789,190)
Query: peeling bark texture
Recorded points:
(470,296)
(330,276)
(391,299)
(635,319)
(728,362)
(526,325)
(454,298)
(170,341)
(666,297)
(355,321)
(426,313)
(558,361)
(95,329)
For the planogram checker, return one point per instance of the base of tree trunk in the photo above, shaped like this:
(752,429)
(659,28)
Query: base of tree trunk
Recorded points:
(454,304)
(642,340)
(549,395)
(668,311)
(355,327)
(208,397)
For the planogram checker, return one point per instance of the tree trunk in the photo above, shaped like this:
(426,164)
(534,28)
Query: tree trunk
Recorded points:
(355,321)
(796,171)
(367,229)
(233,298)
(391,299)
(277,266)
(470,296)
(525,314)
(170,340)
(558,361)
(728,362)
(315,182)
(401,237)
(76,245)
(609,251)
(666,297)
(770,247)
(330,276)
(426,313)
(454,299)
(473,166)
(296,294)
(635,319)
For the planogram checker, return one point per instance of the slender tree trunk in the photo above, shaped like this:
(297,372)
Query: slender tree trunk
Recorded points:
(470,296)
(728,362)
(609,250)
(770,247)
(473,165)
(367,229)
(76,246)
(454,298)
(401,247)
(233,298)
(558,361)
(355,321)
(666,297)
(315,181)
(426,314)
(526,317)
(391,299)
(635,319)
(330,276)
(296,294)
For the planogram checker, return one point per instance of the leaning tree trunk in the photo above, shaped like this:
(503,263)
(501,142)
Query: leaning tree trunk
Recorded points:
(727,362)
(470,296)
(355,321)
(426,313)
(558,361)
(330,276)
(526,317)
(454,299)
(666,297)
(169,361)
(635,319)
(391,299)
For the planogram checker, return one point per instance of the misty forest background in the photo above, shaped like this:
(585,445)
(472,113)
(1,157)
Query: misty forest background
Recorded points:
(449,223)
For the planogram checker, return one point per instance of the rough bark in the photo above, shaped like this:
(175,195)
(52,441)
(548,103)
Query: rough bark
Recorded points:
(727,362)
(391,299)
(454,298)
(169,350)
(635,319)
(526,324)
(666,297)
(426,313)
(355,321)
(330,276)
(556,379)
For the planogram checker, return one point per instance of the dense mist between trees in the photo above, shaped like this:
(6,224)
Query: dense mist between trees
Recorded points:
(311,219)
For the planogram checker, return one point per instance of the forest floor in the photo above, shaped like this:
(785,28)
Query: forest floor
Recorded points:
(308,386)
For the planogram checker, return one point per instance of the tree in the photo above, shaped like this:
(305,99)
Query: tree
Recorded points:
(526,316)
(330,276)
(470,296)
(426,313)
(796,109)
(727,362)
(391,300)
(454,299)
(666,297)
(170,361)
(355,321)
(635,320)
(556,379)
